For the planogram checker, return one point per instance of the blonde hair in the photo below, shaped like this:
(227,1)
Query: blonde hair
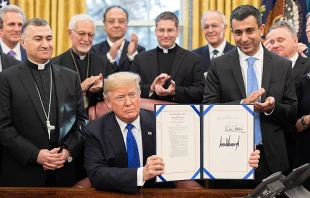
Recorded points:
(120,79)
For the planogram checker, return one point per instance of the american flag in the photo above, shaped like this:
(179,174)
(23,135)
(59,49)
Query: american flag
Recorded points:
(4,3)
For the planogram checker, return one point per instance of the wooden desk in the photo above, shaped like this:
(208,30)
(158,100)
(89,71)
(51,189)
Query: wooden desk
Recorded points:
(92,193)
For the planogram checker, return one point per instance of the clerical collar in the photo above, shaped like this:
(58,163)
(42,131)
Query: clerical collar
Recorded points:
(78,56)
(164,50)
(36,65)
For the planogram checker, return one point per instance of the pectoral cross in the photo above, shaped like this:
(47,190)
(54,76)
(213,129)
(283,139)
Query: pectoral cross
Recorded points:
(49,128)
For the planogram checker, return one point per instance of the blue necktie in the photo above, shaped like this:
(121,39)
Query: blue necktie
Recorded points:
(251,87)
(132,149)
(117,58)
(215,52)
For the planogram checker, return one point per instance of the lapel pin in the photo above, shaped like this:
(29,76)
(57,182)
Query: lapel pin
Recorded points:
(149,133)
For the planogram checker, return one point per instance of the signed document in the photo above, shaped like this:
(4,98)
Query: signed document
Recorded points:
(205,141)
(228,141)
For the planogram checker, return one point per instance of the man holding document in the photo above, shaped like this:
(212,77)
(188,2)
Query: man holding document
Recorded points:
(250,74)
(120,146)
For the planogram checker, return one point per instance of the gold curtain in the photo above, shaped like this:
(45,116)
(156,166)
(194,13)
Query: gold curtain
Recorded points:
(201,6)
(57,13)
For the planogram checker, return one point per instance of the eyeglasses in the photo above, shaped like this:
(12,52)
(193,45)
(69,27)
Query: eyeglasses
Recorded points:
(82,34)
(113,21)
(162,31)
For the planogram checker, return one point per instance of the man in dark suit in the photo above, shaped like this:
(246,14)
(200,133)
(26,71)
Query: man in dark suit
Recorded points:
(11,20)
(116,48)
(169,72)
(41,115)
(213,24)
(282,40)
(250,74)
(91,67)
(108,161)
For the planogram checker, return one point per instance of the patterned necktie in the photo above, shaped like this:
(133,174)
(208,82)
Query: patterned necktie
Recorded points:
(252,86)
(11,53)
(215,52)
(132,149)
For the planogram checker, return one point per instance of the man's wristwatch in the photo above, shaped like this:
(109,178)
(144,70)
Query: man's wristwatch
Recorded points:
(70,158)
(302,119)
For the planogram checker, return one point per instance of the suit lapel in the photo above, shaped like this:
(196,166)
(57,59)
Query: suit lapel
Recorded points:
(206,53)
(236,68)
(104,47)
(29,84)
(60,95)
(179,55)
(4,61)
(153,63)
(148,135)
(117,141)
(267,70)
(300,63)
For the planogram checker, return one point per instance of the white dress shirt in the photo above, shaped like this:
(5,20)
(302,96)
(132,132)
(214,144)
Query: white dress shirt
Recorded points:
(294,59)
(258,66)
(136,131)
(220,49)
(119,52)
(16,49)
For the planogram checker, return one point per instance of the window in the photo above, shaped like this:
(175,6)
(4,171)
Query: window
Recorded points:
(142,14)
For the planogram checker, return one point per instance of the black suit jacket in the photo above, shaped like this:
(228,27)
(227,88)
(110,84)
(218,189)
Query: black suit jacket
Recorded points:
(224,84)
(106,156)
(205,55)
(23,124)
(103,48)
(185,71)
(301,67)
(7,61)
(98,64)
(22,51)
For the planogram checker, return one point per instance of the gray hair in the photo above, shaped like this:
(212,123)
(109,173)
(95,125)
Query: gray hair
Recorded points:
(284,24)
(212,11)
(120,79)
(80,17)
(167,16)
(34,22)
(10,8)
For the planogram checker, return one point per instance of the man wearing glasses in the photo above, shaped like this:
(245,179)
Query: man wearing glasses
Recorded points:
(91,67)
(169,72)
(116,48)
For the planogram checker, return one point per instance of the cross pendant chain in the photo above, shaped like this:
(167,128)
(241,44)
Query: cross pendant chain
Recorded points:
(47,115)
(49,128)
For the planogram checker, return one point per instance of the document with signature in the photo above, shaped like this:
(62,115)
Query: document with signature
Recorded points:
(205,141)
